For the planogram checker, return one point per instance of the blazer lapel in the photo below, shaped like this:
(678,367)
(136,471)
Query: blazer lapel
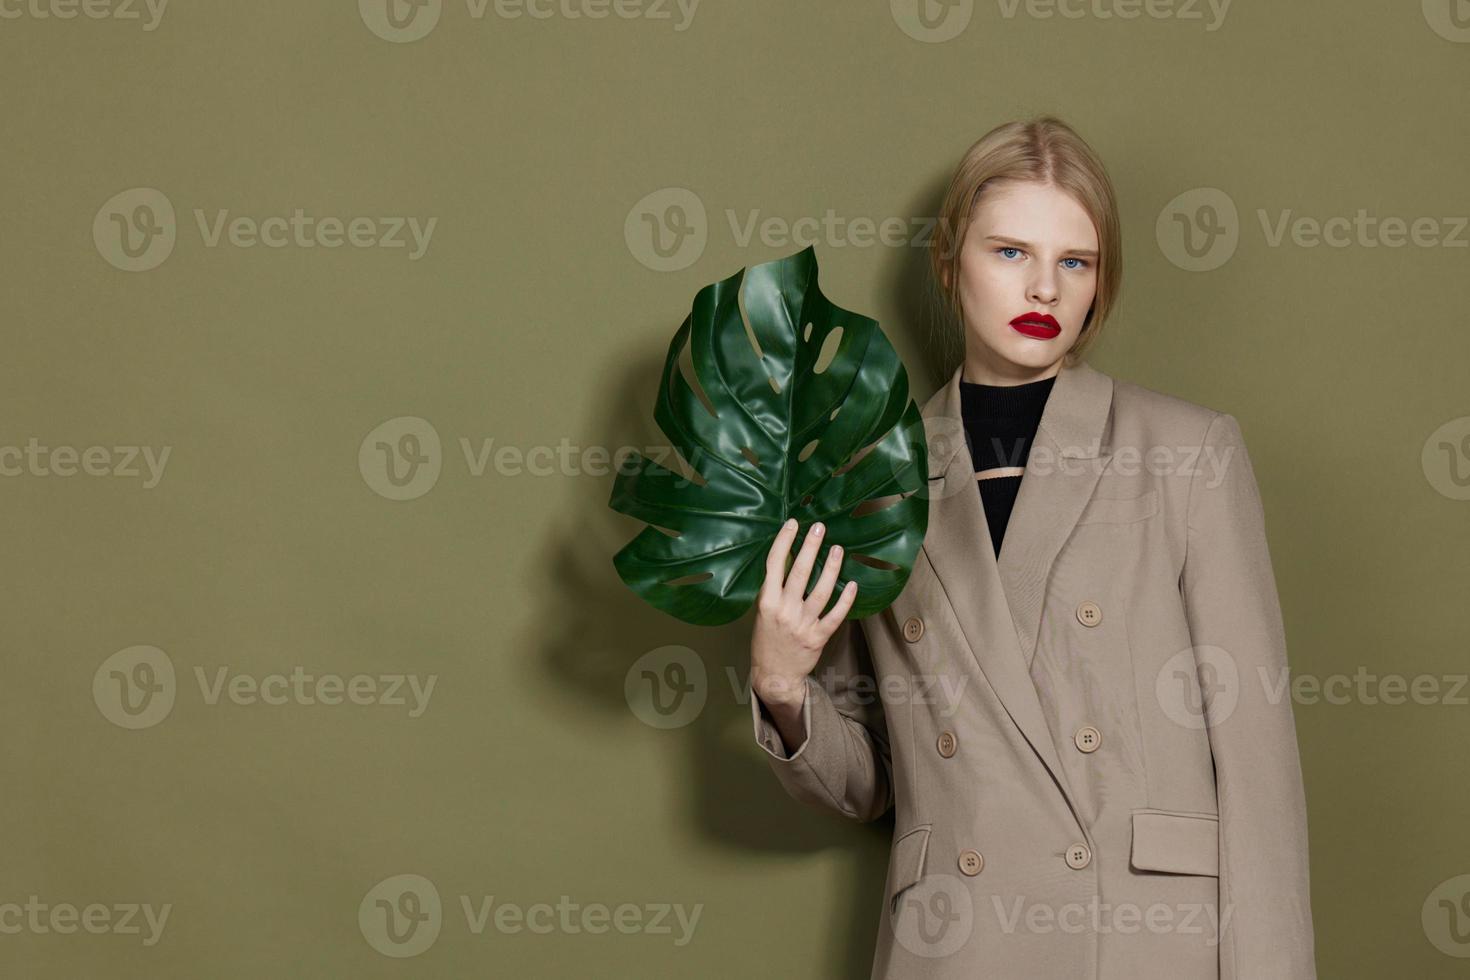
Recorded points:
(1067,459)
(998,604)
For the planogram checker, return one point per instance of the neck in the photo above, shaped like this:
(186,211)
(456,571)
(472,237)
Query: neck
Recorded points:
(979,372)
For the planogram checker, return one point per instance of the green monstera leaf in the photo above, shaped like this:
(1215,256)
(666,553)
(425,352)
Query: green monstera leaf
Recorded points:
(806,414)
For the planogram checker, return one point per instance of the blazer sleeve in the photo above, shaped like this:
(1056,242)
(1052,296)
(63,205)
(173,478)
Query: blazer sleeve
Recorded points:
(844,762)
(1230,599)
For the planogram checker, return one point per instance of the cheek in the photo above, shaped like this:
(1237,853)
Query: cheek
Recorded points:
(984,283)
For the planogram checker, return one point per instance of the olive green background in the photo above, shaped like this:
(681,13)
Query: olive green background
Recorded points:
(532,320)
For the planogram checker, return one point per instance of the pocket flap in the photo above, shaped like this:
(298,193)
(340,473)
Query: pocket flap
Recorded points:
(1176,840)
(1120,510)
(906,864)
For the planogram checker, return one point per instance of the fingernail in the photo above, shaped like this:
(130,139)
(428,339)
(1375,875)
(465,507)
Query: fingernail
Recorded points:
(790,523)
(817,528)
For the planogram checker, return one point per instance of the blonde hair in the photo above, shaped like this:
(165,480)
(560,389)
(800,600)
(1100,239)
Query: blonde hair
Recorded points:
(1045,150)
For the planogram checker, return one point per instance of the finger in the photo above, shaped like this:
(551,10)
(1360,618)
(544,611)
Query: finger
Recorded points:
(822,591)
(776,559)
(801,568)
(845,599)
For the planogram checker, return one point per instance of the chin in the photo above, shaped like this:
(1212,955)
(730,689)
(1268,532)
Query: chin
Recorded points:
(1032,354)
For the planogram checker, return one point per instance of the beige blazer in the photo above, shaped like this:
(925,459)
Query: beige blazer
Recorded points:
(1088,745)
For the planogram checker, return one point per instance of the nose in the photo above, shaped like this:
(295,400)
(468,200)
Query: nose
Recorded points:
(1042,289)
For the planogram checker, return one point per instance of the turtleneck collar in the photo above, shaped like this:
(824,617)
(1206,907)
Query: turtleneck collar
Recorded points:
(1004,401)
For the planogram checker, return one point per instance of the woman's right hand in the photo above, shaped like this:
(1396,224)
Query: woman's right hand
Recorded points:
(790,630)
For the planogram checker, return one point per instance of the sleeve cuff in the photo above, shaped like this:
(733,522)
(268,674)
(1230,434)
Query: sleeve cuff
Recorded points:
(766,733)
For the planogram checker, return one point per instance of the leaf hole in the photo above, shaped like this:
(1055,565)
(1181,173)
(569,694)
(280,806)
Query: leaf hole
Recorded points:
(854,459)
(876,504)
(686,371)
(828,352)
(807,450)
(871,562)
(694,579)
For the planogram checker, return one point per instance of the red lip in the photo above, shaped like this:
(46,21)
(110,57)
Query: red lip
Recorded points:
(1040,325)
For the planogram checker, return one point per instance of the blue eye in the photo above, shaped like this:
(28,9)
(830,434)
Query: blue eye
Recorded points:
(1081,263)
(1007,248)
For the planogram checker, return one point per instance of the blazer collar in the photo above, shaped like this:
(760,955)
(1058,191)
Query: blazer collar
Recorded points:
(998,603)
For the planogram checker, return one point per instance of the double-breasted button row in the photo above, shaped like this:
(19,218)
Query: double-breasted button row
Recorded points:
(972,862)
(913,629)
(946,744)
(1089,613)
(1087,739)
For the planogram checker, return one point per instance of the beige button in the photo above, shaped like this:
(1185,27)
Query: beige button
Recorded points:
(913,628)
(946,744)
(1089,613)
(1087,738)
(971,863)
(1079,856)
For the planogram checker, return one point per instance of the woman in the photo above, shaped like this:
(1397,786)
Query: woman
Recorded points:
(1083,735)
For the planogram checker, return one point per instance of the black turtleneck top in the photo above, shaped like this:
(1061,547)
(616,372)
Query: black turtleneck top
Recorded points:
(1000,424)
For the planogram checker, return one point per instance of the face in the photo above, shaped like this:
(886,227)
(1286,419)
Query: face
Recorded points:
(1030,254)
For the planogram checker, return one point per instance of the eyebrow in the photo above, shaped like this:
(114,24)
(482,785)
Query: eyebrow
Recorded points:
(1005,240)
